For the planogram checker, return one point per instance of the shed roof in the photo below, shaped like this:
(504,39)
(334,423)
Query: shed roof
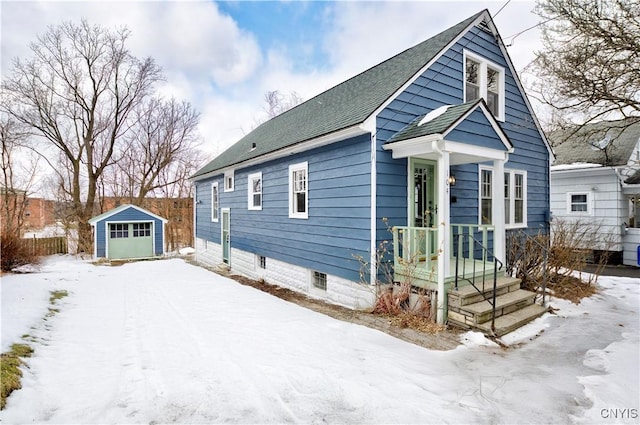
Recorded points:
(346,105)
(121,208)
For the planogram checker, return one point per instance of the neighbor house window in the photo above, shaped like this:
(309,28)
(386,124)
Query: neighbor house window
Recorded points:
(119,230)
(579,203)
(319,281)
(298,191)
(515,190)
(484,79)
(255,191)
(215,201)
(228,181)
(141,230)
(262,261)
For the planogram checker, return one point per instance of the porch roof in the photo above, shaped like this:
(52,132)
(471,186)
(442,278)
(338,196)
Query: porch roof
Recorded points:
(468,130)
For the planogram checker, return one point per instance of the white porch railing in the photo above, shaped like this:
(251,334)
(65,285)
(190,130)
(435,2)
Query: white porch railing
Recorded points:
(417,247)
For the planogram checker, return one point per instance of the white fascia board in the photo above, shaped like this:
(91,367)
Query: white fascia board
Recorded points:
(412,147)
(417,75)
(591,170)
(327,139)
(425,145)
(473,150)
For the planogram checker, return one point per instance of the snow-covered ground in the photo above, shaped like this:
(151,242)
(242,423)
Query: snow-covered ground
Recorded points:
(165,341)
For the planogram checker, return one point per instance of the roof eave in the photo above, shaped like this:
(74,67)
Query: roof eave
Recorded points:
(306,145)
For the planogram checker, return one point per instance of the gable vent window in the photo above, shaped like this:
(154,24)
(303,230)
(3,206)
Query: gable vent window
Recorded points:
(319,281)
(484,79)
(228,181)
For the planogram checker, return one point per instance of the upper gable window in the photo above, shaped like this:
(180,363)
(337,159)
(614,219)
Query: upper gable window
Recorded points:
(228,181)
(484,79)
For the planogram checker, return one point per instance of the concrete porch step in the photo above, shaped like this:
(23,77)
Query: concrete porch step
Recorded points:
(467,294)
(514,320)
(505,304)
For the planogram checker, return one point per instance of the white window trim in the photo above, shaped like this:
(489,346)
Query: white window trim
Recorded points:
(215,213)
(589,210)
(509,221)
(227,175)
(484,64)
(250,179)
(312,281)
(297,167)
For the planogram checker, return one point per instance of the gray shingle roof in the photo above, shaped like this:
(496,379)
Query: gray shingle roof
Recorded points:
(437,125)
(343,106)
(571,149)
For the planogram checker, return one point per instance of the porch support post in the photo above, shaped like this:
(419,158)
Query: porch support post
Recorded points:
(497,208)
(444,237)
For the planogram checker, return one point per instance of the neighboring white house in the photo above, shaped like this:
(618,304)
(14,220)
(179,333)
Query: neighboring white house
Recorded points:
(596,180)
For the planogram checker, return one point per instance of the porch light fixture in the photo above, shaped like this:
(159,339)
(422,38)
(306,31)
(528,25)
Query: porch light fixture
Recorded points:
(451,180)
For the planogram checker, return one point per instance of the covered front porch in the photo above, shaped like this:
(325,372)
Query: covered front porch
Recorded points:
(430,251)
(416,256)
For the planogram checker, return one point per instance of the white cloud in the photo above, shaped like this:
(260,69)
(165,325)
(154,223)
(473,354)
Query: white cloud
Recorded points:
(219,67)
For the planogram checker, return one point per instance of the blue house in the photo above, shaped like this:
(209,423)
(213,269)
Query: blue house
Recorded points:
(438,143)
(128,232)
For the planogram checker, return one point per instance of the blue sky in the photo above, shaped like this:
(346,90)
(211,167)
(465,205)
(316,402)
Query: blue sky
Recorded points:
(294,25)
(223,56)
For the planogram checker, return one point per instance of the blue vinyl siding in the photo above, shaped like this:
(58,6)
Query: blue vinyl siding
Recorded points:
(442,84)
(339,191)
(128,215)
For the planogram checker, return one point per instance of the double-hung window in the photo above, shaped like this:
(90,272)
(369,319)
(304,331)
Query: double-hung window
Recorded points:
(254,200)
(215,201)
(298,190)
(484,79)
(515,197)
(579,203)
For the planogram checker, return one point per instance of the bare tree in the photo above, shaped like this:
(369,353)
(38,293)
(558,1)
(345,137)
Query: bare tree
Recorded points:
(19,169)
(162,137)
(276,104)
(77,93)
(589,68)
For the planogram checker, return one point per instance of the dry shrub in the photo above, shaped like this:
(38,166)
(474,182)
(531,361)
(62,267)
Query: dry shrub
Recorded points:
(567,251)
(14,253)
(412,321)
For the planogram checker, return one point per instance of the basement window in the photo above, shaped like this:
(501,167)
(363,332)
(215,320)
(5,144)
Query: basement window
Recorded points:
(319,281)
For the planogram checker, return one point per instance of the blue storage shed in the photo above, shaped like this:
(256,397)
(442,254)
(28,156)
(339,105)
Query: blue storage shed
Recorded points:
(128,231)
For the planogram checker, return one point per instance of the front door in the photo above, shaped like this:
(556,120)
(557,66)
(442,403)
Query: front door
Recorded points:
(226,237)
(423,207)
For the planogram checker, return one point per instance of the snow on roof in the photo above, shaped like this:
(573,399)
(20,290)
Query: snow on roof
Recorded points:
(434,114)
(574,166)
